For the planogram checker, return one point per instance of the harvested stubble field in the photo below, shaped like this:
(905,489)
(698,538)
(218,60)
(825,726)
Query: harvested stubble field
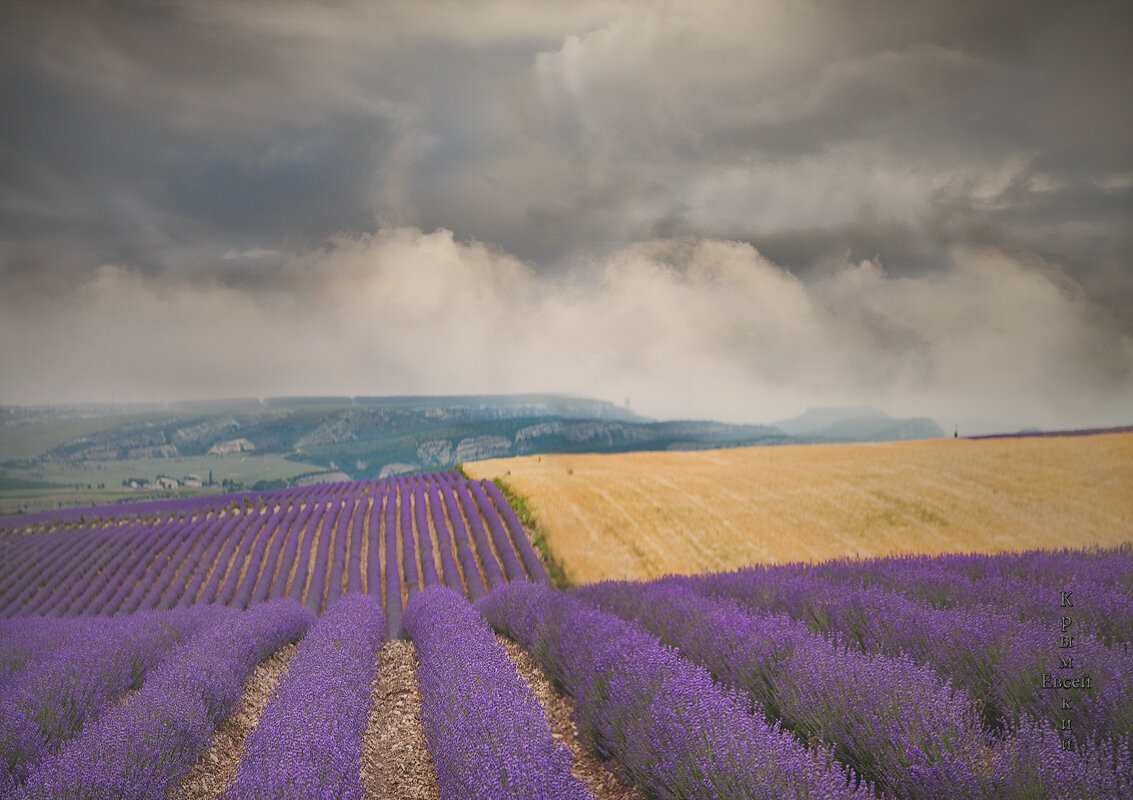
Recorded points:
(642,515)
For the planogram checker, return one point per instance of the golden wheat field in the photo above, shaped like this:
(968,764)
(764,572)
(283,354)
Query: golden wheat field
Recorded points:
(641,515)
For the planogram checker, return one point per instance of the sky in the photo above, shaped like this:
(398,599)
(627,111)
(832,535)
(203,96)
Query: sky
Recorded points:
(725,210)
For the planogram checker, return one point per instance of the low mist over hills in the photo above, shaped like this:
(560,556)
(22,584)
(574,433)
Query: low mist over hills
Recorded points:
(861,424)
(101,453)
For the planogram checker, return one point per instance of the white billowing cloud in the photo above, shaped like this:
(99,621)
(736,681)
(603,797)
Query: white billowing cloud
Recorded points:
(687,328)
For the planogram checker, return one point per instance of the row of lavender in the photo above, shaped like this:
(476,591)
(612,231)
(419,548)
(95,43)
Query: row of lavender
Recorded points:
(989,624)
(387,538)
(911,671)
(100,707)
(70,726)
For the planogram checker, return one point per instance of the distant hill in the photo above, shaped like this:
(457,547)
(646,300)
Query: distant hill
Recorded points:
(76,455)
(371,436)
(860,424)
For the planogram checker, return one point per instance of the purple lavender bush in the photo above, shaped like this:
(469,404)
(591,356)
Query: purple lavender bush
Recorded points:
(408,540)
(896,723)
(308,742)
(444,541)
(140,750)
(672,730)
(318,522)
(492,570)
(196,584)
(317,589)
(485,729)
(531,561)
(80,678)
(373,556)
(357,533)
(290,550)
(463,549)
(998,659)
(24,641)
(513,570)
(393,607)
(424,539)
(338,562)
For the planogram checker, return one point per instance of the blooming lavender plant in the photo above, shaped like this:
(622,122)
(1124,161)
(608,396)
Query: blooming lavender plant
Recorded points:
(100,565)
(25,640)
(138,580)
(1019,584)
(373,555)
(526,552)
(159,560)
(897,723)
(511,566)
(266,578)
(308,742)
(357,533)
(463,549)
(318,571)
(21,585)
(424,539)
(449,572)
(316,529)
(997,659)
(255,562)
(105,569)
(256,533)
(290,552)
(408,541)
(492,569)
(337,575)
(393,605)
(87,578)
(177,561)
(72,687)
(194,585)
(140,750)
(486,731)
(227,554)
(671,728)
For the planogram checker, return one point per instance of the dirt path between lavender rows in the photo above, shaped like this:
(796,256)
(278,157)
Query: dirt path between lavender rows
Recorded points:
(396,764)
(588,767)
(216,766)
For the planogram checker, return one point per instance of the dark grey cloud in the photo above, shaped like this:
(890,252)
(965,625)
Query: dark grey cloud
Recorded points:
(240,153)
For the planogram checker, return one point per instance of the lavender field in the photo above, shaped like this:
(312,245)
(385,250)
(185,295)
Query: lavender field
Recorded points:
(386,538)
(134,639)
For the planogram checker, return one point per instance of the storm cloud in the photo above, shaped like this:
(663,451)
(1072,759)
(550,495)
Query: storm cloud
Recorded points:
(732,210)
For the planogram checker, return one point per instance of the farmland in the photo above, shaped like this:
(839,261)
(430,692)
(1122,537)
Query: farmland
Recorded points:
(642,515)
(398,638)
(384,538)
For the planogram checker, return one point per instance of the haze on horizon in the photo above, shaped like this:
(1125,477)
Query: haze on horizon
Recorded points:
(727,210)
